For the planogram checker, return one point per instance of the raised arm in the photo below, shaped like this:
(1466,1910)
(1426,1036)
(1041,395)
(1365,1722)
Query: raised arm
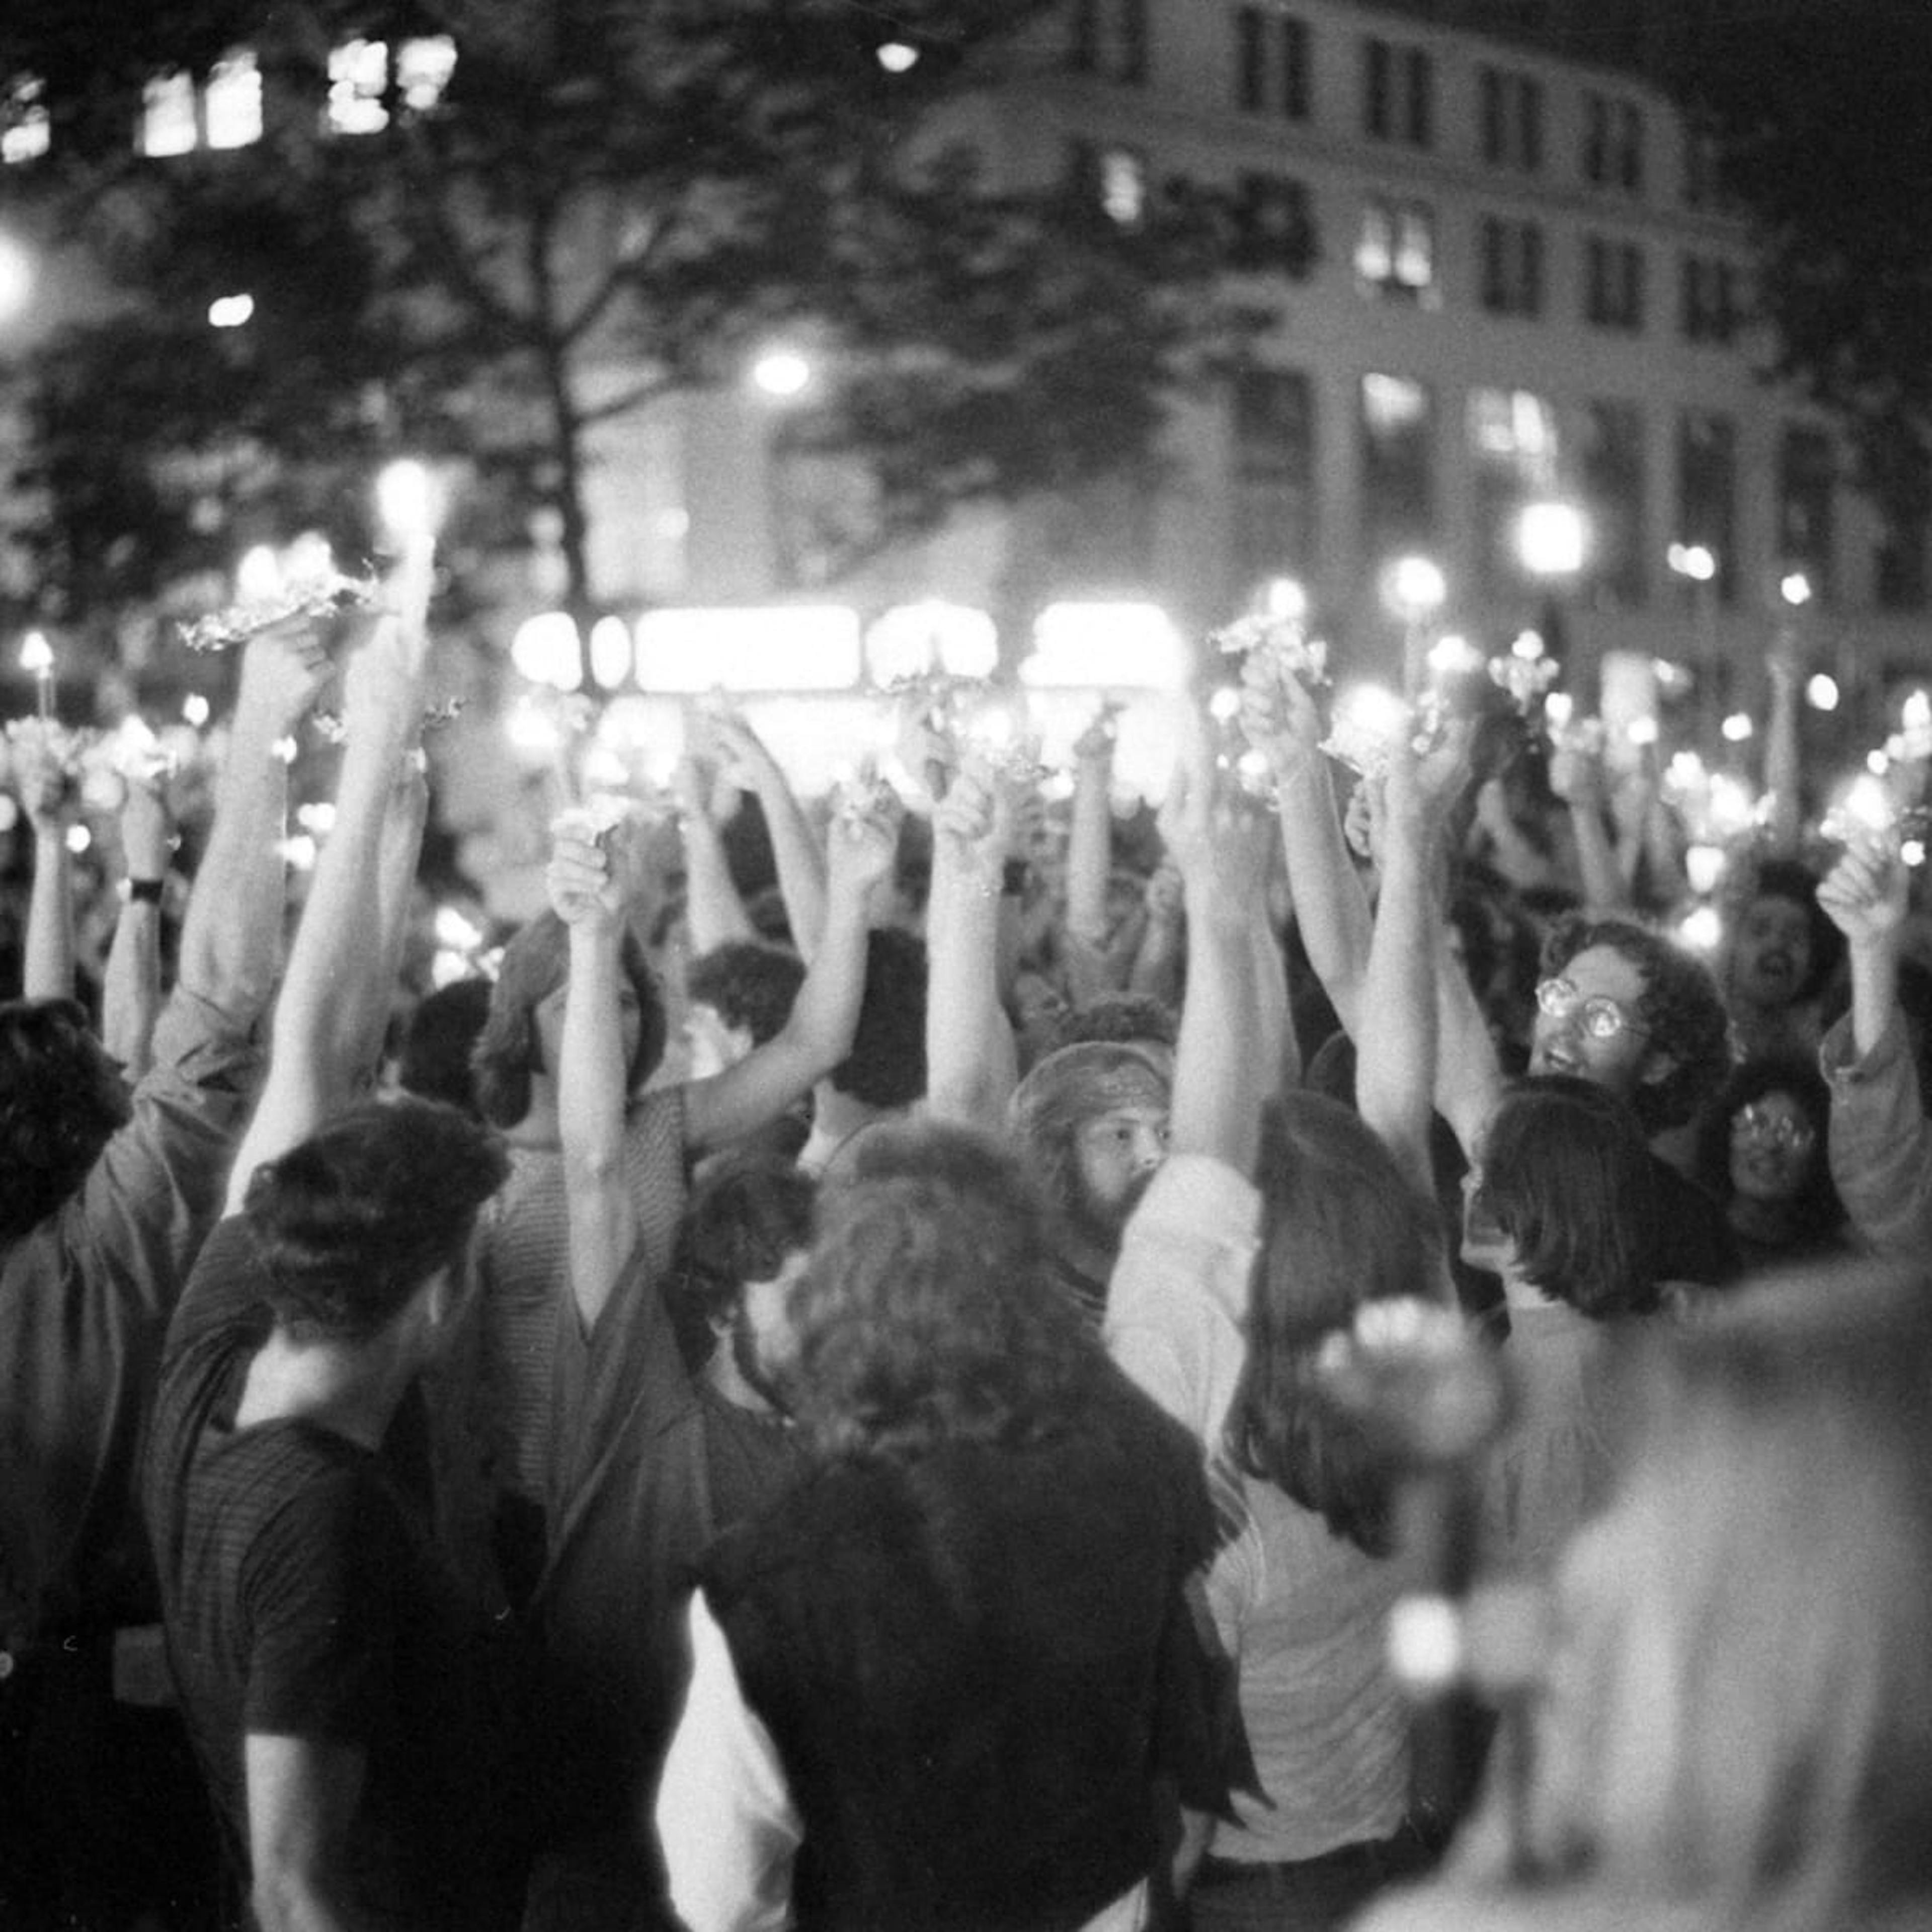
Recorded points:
(1280,721)
(591,884)
(330,963)
(1783,795)
(231,940)
(1577,777)
(971,1063)
(1222,846)
(48,967)
(131,993)
(795,849)
(818,1035)
(715,911)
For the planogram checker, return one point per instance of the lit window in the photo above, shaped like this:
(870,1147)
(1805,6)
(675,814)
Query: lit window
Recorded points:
(168,124)
(1415,248)
(1123,185)
(24,128)
(1395,252)
(1375,251)
(234,101)
(358,73)
(1393,402)
(423,69)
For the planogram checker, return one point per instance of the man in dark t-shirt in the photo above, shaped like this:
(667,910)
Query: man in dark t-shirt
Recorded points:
(336,1699)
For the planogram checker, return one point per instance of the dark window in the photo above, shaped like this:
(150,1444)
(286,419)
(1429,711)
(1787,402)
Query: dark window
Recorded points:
(1398,94)
(1398,457)
(1613,142)
(1709,301)
(1109,38)
(1613,284)
(1707,490)
(1899,572)
(1274,440)
(1274,232)
(1611,469)
(1807,476)
(1271,62)
(1511,266)
(1511,115)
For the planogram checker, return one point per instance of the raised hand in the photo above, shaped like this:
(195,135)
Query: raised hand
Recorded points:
(146,830)
(862,842)
(1279,716)
(48,795)
(975,820)
(283,669)
(1864,894)
(1217,840)
(592,878)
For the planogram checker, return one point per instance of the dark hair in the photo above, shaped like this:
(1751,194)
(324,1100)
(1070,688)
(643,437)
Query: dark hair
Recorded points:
(1815,1210)
(1340,1227)
(1681,1006)
(927,1315)
(61,1100)
(1063,1091)
(535,963)
(1567,1177)
(1129,1017)
(750,985)
(886,1066)
(434,1061)
(1776,878)
(741,1221)
(348,1224)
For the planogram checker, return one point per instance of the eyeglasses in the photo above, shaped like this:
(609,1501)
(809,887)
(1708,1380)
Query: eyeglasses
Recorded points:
(1754,1123)
(1604,1018)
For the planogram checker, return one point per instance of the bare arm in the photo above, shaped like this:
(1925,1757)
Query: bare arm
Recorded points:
(131,993)
(971,1063)
(590,888)
(1090,836)
(302,1794)
(715,911)
(1781,754)
(47,971)
(1577,778)
(796,850)
(818,1034)
(329,964)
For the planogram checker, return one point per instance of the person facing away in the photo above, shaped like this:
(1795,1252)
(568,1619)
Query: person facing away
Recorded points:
(947,1681)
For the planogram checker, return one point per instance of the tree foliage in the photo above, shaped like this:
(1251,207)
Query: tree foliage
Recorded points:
(612,200)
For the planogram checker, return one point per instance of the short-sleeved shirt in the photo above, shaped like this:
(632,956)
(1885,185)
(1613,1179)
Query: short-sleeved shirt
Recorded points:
(84,1299)
(304,1598)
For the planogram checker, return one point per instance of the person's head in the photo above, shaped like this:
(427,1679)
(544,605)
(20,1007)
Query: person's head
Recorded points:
(886,1066)
(926,1315)
(1341,1227)
(1090,1120)
(1138,1019)
(1785,948)
(433,1061)
(62,1097)
(737,996)
(526,1023)
(1765,1139)
(1563,1192)
(1739,1712)
(1622,1007)
(351,1223)
(741,1244)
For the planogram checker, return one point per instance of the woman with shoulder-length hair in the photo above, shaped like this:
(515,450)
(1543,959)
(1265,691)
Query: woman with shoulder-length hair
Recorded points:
(1272,1225)
(1737,1728)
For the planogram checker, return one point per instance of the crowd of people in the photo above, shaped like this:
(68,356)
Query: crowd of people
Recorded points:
(827,1387)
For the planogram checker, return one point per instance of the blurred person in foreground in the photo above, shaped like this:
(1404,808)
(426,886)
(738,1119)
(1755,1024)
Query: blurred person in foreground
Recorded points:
(951,1682)
(1736,1727)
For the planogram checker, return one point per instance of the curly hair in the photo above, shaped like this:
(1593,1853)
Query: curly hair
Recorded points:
(1567,1176)
(1138,1019)
(1680,1006)
(508,1050)
(927,1317)
(1340,1227)
(741,1222)
(1776,878)
(61,1099)
(434,1059)
(350,1222)
(1817,1208)
(886,1066)
(748,984)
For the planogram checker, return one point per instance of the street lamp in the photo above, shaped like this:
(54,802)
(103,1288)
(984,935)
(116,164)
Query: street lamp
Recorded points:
(782,373)
(1551,540)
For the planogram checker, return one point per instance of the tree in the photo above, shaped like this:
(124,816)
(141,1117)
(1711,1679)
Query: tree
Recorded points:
(608,201)
(1819,112)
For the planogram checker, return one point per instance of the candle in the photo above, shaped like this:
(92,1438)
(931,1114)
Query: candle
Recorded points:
(36,656)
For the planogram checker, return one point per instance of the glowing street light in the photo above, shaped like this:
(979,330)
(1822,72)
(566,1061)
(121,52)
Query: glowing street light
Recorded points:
(782,374)
(897,57)
(1696,561)
(1795,590)
(1551,539)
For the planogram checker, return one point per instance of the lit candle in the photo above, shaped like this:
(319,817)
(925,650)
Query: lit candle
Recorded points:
(36,656)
